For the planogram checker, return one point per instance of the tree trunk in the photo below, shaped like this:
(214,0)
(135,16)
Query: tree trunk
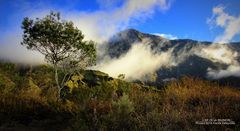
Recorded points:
(57,82)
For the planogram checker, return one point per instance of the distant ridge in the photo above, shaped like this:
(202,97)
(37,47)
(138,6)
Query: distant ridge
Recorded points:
(193,65)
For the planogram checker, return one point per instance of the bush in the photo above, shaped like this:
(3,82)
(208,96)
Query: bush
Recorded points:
(6,85)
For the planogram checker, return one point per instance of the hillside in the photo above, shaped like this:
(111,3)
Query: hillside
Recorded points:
(92,100)
(119,65)
(190,57)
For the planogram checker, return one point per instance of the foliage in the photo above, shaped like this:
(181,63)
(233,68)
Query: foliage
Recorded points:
(57,40)
(121,76)
(111,104)
(60,42)
(6,85)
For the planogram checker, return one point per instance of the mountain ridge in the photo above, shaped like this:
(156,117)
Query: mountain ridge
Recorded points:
(196,63)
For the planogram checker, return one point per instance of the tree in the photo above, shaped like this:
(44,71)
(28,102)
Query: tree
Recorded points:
(61,43)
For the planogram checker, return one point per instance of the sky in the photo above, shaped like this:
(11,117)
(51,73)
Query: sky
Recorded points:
(217,21)
(185,19)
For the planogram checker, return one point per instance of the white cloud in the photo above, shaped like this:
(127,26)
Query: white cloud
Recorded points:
(167,36)
(230,24)
(220,53)
(232,70)
(98,25)
(102,24)
(139,61)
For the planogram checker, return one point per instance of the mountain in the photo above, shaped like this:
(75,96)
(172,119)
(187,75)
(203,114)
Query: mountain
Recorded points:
(193,58)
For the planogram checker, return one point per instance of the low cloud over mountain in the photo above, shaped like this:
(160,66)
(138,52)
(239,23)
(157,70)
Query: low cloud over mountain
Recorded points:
(138,55)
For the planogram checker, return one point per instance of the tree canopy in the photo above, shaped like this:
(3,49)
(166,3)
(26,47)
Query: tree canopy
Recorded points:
(60,42)
(57,40)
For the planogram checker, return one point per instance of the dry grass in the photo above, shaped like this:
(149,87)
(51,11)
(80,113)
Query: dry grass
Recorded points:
(27,111)
(124,106)
(190,100)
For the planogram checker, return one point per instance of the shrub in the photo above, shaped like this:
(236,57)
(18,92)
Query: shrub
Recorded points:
(6,84)
(190,100)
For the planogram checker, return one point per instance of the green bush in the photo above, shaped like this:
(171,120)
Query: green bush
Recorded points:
(6,85)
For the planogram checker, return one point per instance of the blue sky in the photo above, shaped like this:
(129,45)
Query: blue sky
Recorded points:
(186,19)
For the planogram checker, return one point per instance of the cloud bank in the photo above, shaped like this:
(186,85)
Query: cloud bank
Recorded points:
(101,25)
(12,50)
(96,25)
(223,53)
(137,62)
(140,59)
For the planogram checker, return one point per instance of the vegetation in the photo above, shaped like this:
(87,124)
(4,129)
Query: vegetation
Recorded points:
(92,100)
(61,43)
(95,101)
